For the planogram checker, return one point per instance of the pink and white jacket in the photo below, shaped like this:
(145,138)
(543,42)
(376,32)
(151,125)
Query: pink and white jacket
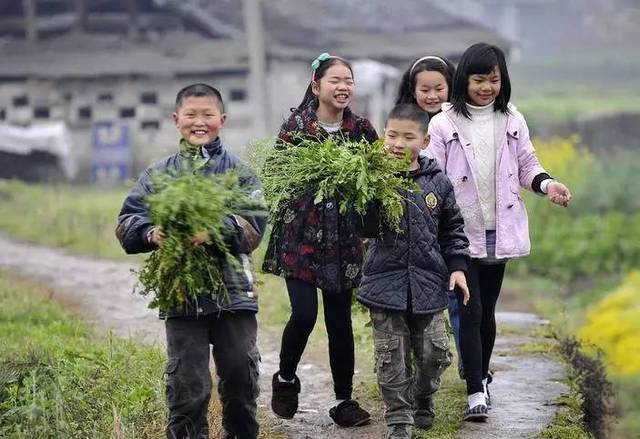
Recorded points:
(516,166)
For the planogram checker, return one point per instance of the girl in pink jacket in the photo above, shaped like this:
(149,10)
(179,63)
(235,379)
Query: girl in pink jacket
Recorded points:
(482,143)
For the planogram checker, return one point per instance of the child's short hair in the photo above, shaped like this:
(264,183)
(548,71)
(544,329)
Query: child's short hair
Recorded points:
(480,59)
(431,63)
(410,112)
(198,90)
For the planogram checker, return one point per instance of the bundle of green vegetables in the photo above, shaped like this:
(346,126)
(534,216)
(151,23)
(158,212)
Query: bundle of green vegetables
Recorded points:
(355,172)
(183,206)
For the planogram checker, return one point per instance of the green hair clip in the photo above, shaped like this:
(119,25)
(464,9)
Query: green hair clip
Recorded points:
(322,57)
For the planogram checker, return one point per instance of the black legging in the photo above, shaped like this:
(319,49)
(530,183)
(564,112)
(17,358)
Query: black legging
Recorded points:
(478,322)
(337,318)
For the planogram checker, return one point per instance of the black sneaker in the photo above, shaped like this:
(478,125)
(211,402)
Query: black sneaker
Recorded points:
(477,413)
(349,414)
(399,431)
(284,398)
(423,413)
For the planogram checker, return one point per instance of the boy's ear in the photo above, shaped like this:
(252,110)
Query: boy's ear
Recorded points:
(174,116)
(427,139)
(223,118)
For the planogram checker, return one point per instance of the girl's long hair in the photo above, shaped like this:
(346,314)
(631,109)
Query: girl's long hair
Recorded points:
(407,88)
(480,59)
(317,76)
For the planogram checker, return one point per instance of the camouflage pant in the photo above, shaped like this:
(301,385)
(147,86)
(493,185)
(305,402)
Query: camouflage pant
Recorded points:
(188,386)
(396,336)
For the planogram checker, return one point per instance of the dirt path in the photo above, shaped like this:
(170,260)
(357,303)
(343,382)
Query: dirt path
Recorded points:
(524,387)
(102,291)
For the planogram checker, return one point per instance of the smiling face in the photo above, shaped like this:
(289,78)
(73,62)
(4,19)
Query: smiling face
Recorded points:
(431,90)
(401,135)
(199,119)
(335,89)
(483,89)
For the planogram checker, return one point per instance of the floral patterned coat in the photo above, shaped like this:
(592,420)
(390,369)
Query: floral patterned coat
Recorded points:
(313,242)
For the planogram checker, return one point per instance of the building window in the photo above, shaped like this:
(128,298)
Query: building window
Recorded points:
(105,97)
(150,125)
(84,113)
(127,112)
(3,114)
(238,94)
(41,112)
(149,97)
(20,101)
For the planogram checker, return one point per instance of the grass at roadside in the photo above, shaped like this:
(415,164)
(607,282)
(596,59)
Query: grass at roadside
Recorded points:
(568,421)
(79,219)
(58,378)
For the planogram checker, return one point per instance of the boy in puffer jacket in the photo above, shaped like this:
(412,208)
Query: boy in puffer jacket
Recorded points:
(207,326)
(406,277)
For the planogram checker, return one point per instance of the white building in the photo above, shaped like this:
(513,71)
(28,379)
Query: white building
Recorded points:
(90,61)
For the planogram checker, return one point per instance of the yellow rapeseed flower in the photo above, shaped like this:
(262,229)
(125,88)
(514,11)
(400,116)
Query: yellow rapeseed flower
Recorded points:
(613,324)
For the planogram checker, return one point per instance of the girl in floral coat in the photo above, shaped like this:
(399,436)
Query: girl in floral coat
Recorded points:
(313,246)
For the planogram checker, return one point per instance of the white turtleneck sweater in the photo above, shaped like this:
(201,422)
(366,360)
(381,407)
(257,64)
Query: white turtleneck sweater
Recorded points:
(485,131)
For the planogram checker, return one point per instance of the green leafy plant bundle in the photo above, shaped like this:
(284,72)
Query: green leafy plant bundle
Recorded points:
(355,172)
(183,206)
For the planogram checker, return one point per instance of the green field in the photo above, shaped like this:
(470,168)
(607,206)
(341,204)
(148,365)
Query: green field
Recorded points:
(78,219)
(578,85)
(44,214)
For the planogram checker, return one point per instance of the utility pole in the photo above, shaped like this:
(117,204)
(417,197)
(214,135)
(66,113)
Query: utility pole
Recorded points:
(132,11)
(254,33)
(30,17)
(81,15)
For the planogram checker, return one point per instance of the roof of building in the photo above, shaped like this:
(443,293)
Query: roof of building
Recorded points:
(213,41)
(171,54)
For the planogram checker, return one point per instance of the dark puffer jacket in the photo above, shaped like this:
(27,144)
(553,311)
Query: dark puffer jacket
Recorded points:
(313,242)
(242,233)
(415,265)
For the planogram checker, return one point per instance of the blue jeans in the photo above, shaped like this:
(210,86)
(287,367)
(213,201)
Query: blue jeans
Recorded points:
(454,319)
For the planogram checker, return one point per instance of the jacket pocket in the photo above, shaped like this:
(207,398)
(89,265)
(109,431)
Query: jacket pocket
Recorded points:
(514,187)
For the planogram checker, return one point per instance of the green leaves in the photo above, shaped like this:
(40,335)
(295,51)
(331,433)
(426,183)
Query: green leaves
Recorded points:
(355,172)
(182,206)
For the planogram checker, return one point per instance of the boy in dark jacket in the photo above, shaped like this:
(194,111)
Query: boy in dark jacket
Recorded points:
(406,277)
(228,324)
